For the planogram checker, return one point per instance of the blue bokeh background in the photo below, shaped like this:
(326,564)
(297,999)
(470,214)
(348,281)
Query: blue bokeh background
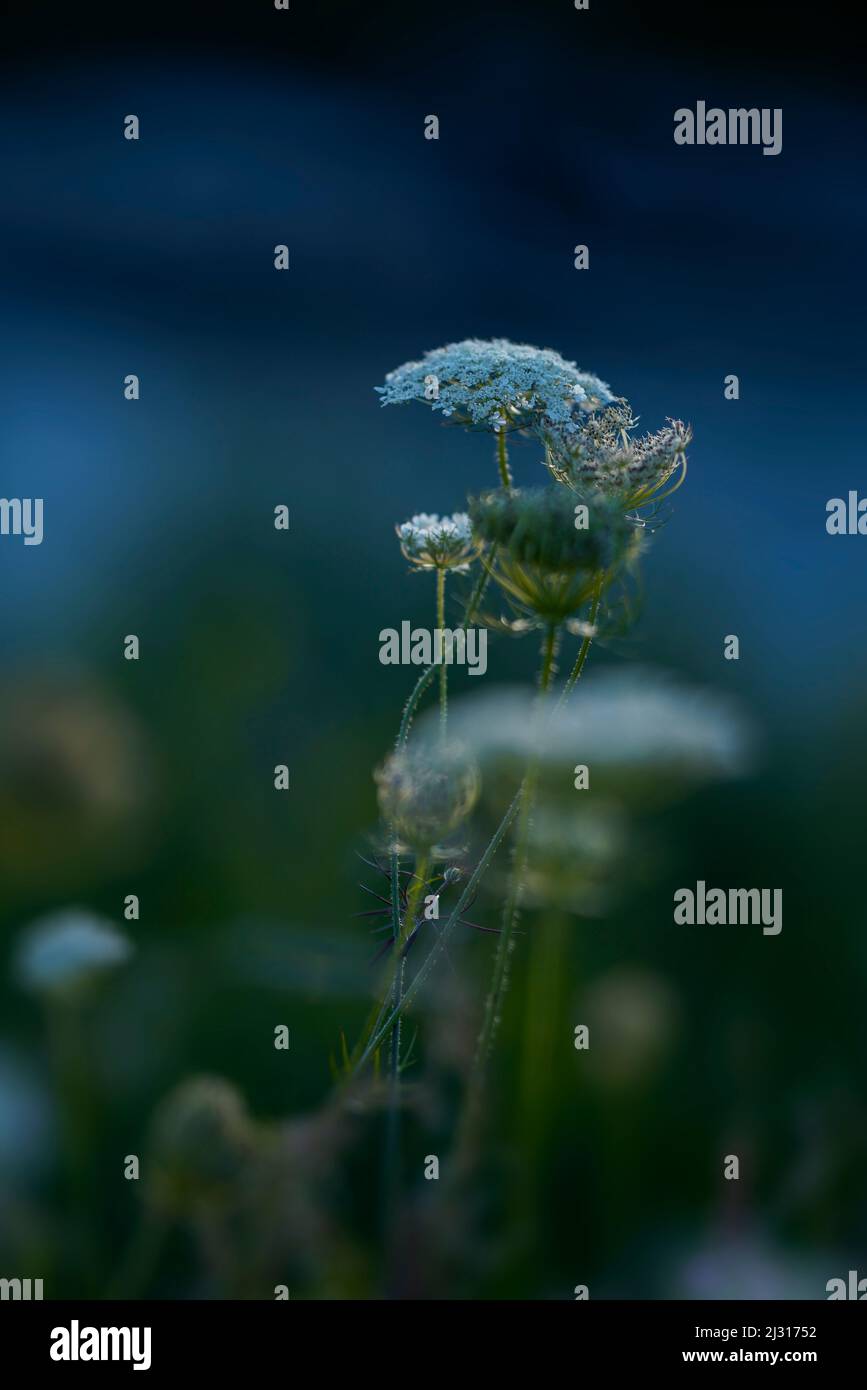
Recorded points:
(156,258)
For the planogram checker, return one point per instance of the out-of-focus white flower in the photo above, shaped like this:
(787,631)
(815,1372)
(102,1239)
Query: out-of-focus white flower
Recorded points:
(575,852)
(636,728)
(66,952)
(744,1264)
(632,1015)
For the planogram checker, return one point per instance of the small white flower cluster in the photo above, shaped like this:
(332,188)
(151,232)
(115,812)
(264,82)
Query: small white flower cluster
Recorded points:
(430,542)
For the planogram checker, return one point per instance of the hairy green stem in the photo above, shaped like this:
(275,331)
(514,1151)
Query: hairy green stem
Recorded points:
(391,1165)
(411,705)
(503,461)
(391,1160)
(467,1129)
(482,583)
(382,1028)
(427,675)
(444,670)
(373,1025)
(378,1025)
(415,892)
(376,1030)
(512,906)
(395,936)
(575,673)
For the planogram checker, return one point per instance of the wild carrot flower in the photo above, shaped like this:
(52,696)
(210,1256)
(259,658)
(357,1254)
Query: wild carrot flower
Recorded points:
(549,555)
(436,543)
(497,385)
(639,729)
(605,456)
(431,542)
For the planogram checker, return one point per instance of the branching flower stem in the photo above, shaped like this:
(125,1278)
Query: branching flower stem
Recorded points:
(428,673)
(376,1029)
(379,1027)
(382,1028)
(467,1128)
(391,1166)
(575,673)
(470,611)
(403,734)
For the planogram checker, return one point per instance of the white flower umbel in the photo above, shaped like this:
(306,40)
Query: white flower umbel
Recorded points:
(638,727)
(432,542)
(497,385)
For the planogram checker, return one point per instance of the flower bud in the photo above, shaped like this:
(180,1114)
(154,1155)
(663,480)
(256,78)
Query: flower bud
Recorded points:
(537,527)
(426,791)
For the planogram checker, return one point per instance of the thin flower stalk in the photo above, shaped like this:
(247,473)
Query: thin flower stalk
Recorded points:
(382,1028)
(592,619)
(512,907)
(503,461)
(444,670)
(391,1166)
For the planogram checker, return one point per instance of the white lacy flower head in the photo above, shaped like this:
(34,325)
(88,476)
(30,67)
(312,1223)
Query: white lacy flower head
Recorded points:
(637,730)
(497,385)
(67,951)
(432,542)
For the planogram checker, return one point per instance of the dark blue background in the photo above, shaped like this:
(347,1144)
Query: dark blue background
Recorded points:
(556,128)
